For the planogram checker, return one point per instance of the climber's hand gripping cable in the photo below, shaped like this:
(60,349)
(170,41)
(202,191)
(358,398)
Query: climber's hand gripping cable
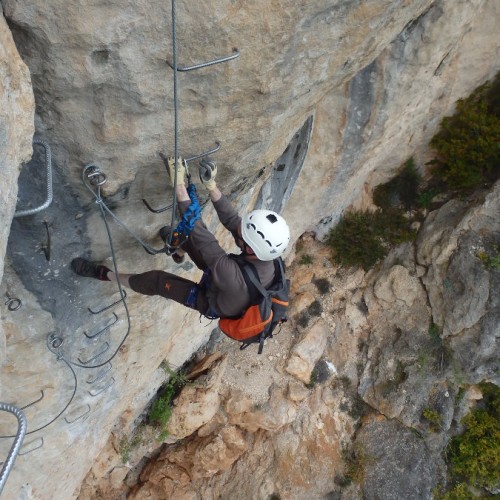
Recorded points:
(181,169)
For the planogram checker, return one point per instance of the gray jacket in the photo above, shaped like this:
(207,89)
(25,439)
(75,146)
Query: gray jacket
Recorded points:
(228,294)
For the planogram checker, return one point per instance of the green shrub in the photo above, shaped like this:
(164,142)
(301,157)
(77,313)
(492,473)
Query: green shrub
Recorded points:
(128,444)
(315,309)
(362,238)
(459,492)
(475,455)
(401,191)
(425,198)
(433,418)
(161,409)
(491,262)
(305,260)
(303,320)
(467,143)
(323,285)
(355,462)
(435,333)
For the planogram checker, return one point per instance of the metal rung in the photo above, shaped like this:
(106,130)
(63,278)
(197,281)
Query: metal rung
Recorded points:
(48,201)
(93,336)
(124,295)
(235,54)
(159,211)
(96,392)
(93,358)
(79,416)
(212,151)
(33,448)
(165,160)
(46,248)
(100,375)
(34,402)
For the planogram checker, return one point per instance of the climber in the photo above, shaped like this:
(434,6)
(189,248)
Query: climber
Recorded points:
(261,235)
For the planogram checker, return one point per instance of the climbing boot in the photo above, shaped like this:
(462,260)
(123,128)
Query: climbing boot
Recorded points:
(89,269)
(177,240)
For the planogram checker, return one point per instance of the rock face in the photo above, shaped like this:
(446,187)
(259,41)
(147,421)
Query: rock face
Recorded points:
(306,353)
(398,407)
(368,82)
(17,109)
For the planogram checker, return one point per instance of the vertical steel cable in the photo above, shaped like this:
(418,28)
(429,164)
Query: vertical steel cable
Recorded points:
(18,441)
(176,117)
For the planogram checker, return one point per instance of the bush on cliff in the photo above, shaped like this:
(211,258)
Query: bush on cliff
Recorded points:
(474,456)
(468,143)
(362,238)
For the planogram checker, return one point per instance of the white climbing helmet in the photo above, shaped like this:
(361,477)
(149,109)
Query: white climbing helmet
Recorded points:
(266,233)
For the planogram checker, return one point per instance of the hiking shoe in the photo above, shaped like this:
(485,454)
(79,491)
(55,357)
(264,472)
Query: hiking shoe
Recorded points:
(178,259)
(89,269)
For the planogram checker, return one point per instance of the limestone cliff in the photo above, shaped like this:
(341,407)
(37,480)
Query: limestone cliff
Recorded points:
(365,370)
(352,88)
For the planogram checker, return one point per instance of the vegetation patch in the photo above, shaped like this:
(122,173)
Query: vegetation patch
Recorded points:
(435,355)
(305,260)
(467,157)
(161,409)
(467,143)
(490,261)
(315,309)
(433,418)
(474,456)
(392,385)
(401,191)
(355,462)
(323,285)
(362,238)
(127,444)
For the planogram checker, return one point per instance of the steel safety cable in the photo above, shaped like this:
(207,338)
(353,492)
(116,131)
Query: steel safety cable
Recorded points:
(93,170)
(176,114)
(115,270)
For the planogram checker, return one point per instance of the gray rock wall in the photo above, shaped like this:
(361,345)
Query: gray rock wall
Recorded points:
(376,77)
(16,127)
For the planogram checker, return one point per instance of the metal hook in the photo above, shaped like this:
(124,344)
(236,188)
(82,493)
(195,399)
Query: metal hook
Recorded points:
(235,54)
(103,329)
(124,295)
